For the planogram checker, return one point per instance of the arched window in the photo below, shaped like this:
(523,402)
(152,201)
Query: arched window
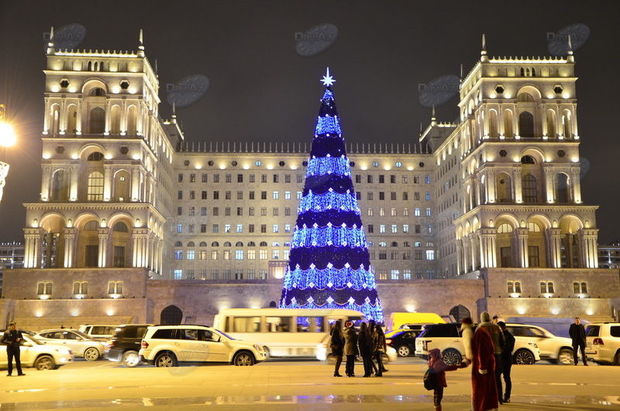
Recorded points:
(562,193)
(227,244)
(91,226)
(525,98)
(60,186)
(493,123)
(551,131)
(191,244)
(529,188)
(132,121)
(528,160)
(121,186)
(178,244)
(504,245)
(97,92)
(251,244)
(263,244)
(394,244)
(203,244)
(566,123)
(96,156)
(526,124)
(504,229)
(504,188)
(508,124)
(115,124)
(97,120)
(55,120)
(215,244)
(95,186)
(72,119)
(120,227)
(238,244)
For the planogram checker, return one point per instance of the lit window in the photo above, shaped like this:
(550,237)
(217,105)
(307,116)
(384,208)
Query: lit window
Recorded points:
(179,228)
(239,228)
(227,228)
(287,195)
(546,287)
(95,186)
(178,255)
(394,228)
(395,274)
(275,228)
(80,288)
(514,287)
(44,288)
(238,254)
(580,288)
(405,228)
(178,274)
(299,195)
(430,255)
(416,212)
(275,254)
(115,287)
(251,254)
(398,164)
(382,228)
(287,228)
(262,254)
(276,195)
(191,254)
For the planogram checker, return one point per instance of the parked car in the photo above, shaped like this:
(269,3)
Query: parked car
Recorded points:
(124,347)
(167,345)
(557,350)
(403,341)
(98,332)
(79,343)
(603,343)
(447,338)
(35,353)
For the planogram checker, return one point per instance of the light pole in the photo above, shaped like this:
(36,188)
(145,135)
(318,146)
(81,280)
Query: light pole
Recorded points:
(7,139)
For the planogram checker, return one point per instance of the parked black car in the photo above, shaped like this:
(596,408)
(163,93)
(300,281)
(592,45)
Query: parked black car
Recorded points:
(403,341)
(125,344)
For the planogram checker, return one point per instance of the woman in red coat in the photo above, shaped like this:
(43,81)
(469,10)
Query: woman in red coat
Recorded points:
(484,389)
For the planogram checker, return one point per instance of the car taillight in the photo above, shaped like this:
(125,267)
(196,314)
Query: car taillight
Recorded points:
(598,341)
(144,345)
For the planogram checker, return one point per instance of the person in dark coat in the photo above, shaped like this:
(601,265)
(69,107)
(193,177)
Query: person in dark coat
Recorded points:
(350,348)
(439,367)
(577,333)
(380,348)
(484,388)
(498,342)
(13,338)
(337,346)
(509,346)
(365,344)
(372,331)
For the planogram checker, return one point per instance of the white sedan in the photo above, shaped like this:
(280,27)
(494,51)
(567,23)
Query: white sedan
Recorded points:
(35,353)
(81,344)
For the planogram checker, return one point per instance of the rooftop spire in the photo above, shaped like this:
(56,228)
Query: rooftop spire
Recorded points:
(483,51)
(141,44)
(174,112)
(50,43)
(570,57)
(461,75)
(433,118)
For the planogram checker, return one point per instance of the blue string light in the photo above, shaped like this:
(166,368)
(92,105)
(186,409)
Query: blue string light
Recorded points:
(330,200)
(328,125)
(330,278)
(330,235)
(328,165)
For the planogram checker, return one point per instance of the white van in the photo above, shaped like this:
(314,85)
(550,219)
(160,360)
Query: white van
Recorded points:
(286,332)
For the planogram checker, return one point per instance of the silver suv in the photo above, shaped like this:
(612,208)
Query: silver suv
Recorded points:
(167,345)
(557,350)
(603,343)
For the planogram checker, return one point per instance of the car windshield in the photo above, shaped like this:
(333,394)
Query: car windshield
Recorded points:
(33,339)
(225,335)
(81,334)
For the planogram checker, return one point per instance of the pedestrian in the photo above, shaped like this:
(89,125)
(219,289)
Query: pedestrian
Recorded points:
(380,349)
(13,338)
(365,347)
(484,388)
(350,348)
(497,337)
(337,346)
(467,332)
(372,326)
(439,370)
(507,349)
(577,333)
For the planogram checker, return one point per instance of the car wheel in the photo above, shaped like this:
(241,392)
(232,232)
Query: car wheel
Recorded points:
(403,351)
(131,358)
(565,357)
(524,357)
(91,354)
(451,357)
(166,359)
(617,358)
(45,362)
(244,358)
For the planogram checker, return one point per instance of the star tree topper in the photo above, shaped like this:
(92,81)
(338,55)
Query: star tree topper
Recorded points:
(327,79)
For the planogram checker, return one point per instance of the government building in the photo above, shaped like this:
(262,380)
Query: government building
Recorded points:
(136,223)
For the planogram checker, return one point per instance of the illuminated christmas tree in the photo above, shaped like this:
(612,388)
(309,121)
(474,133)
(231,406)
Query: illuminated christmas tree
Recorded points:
(329,265)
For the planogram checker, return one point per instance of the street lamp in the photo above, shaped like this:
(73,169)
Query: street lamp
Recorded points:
(8,138)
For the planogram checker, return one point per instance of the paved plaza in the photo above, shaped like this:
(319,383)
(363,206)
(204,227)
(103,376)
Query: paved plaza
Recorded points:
(295,386)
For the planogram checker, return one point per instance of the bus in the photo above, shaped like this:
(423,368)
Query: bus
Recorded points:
(286,332)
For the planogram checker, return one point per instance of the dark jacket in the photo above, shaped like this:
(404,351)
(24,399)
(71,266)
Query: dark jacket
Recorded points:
(337,342)
(577,333)
(509,345)
(365,343)
(350,341)
(12,338)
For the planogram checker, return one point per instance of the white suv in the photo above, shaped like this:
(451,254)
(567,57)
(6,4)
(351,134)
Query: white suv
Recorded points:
(81,344)
(447,338)
(38,354)
(167,345)
(603,343)
(557,350)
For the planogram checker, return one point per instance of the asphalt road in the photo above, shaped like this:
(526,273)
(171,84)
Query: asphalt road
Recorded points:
(295,385)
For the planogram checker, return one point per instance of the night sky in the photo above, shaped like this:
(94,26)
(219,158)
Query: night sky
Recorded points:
(261,89)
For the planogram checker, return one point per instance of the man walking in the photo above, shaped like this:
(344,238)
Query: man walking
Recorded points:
(350,348)
(507,349)
(12,338)
(577,333)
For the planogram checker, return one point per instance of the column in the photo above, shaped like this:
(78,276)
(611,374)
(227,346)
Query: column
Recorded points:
(45,182)
(107,182)
(549,184)
(466,255)
(490,187)
(75,176)
(69,234)
(575,183)
(487,247)
(62,121)
(160,257)
(459,255)
(516,182)
(140,237)
(104,234)
(574,122)
(521,238)
(108,117)
(587,241)
(135,183)
(32,248)
(46,117)
(554,239)
(78,117)
(475,253)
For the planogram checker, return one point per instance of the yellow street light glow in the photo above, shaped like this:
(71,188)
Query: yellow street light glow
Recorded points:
(8,138)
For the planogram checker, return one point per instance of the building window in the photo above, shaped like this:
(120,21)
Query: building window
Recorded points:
(178,255)
(394,228)
(238,254)
(191,254)
(262,254)
(178,274)
(405,228)
(215,228)
(227,228)
(95,186)
(382,228)
(580,288)
(192,178)
(514,287)
(275,254)
(179,228)
(180,178)
(276,195)
(275,228)
(546,287)
(205,178)
(395,274)
(416,212)
(287,195)
(44,289)
(251,254)
(287,228)
(529,189)
(430,255)
(533,256)
(299,195)
(80,288)
(239,228)
(115,288)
